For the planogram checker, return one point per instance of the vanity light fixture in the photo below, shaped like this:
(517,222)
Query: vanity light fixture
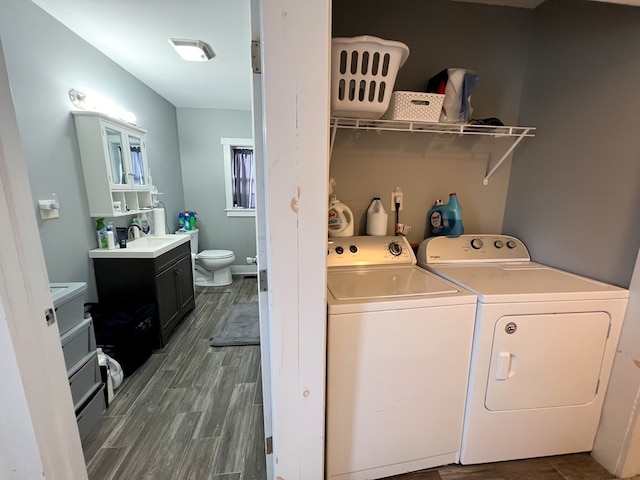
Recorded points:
(96,103)
(192,50)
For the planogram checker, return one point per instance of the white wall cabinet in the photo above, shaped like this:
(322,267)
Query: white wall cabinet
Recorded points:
(114,163)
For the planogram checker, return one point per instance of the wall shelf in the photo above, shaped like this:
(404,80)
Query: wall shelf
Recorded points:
(517,133)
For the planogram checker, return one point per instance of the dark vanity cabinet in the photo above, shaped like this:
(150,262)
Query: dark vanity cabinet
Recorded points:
(166,280)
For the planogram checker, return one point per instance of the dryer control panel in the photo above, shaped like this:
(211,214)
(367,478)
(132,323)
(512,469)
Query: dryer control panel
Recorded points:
(472,248)
(369,250)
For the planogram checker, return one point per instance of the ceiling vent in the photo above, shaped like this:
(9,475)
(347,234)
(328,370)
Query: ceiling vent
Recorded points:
(192,50)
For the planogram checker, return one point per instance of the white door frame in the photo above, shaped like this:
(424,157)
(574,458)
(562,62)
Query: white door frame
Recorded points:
(262,241)
(295,89)
(44,408)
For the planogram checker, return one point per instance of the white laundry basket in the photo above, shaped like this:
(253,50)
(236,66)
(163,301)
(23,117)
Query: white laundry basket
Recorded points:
(363,73)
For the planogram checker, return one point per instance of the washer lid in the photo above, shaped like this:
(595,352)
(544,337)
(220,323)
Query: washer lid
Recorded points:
(391,287)
(525,281)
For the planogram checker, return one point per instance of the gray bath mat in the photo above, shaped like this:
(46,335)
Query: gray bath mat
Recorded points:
(239,326)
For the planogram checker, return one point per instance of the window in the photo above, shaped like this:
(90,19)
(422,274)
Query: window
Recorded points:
(240,177)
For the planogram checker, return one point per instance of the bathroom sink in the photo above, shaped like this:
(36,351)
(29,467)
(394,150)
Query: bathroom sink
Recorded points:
(148,242)
(145,247)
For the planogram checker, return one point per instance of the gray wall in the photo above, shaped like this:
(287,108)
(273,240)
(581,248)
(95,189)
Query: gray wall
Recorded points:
(574,194)
(44,60)
(440,34)
(201,155)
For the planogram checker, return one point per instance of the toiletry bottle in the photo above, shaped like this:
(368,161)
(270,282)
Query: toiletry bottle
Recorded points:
(111,241)
(134,229)
(145,226)
(187,225)
(181,221)
(192,221)
(101,231)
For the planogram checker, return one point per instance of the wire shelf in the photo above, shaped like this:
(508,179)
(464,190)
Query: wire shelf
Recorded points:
(428,127)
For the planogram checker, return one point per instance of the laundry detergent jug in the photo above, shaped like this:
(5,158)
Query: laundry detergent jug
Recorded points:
(376,218)
(340,219)
(446,219)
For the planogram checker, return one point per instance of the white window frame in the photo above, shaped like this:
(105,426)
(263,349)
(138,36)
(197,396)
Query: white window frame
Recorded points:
(228,145)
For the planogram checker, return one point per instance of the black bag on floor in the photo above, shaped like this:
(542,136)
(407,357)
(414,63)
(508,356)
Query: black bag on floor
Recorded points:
(124,332)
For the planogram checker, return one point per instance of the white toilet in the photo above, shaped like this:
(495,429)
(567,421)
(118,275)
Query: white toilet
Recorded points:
(211,268)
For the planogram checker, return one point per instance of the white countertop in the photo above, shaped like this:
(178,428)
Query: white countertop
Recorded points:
(150,246)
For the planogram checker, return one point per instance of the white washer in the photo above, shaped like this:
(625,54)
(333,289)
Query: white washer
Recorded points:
(399,344)
(543,347)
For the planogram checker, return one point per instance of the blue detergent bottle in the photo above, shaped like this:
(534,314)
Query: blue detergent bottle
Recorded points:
(446,219)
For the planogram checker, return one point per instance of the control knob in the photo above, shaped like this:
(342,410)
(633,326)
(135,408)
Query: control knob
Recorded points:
(353,249)
(395,249)
(339,250)
(498,243)
(511,244)
(477,244)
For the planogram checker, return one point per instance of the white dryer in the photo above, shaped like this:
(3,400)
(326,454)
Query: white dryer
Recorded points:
(543,347)
(398,351)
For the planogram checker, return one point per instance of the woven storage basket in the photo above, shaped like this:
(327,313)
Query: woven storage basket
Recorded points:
(415,107)
(363,73)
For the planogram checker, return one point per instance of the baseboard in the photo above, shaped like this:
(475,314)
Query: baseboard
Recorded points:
(242,270)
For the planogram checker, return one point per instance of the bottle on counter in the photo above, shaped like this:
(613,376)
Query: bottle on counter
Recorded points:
(111,240)
(181,221)
(101,231)
(187,220)
(192,220)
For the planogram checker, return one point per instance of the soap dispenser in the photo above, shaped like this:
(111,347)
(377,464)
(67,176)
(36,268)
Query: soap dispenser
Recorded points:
(134,230)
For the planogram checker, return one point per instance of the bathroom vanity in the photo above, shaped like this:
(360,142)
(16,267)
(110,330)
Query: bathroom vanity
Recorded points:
(153,269)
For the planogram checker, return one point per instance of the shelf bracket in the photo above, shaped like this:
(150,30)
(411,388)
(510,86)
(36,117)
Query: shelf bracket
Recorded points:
(506,154)
(333,139)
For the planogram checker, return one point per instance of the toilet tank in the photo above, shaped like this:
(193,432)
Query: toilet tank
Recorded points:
(193,240)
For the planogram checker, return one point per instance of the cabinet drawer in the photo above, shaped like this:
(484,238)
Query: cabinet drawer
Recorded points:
(85,381)
(68,300)
(172,256)
(77,344)
(91,412)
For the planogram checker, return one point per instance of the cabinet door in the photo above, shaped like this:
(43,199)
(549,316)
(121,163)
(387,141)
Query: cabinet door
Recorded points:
(116,161)
(168,300)
(185,283)
(137,160)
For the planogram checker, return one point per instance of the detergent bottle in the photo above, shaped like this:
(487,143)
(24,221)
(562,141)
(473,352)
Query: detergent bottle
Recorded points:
(446,219)
(340,219)
(376,218)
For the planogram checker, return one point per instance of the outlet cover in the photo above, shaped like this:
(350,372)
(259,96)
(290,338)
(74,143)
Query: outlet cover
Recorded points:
(49,214)
(394,196)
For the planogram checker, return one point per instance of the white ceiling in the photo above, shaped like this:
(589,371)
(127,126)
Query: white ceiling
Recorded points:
(135,33)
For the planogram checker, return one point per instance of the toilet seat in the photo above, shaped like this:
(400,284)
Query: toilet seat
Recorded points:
(215,254)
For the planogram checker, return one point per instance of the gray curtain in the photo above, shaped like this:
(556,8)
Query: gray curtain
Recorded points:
(244,181)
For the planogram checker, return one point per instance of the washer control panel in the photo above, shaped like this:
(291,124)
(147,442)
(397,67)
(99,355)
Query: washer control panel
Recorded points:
(369,250)
(472,248)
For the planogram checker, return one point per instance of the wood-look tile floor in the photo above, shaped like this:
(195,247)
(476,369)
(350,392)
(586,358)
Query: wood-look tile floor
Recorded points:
(191,411)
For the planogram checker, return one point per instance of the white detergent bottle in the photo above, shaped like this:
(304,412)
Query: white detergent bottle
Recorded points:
(377,218)
(340,219)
